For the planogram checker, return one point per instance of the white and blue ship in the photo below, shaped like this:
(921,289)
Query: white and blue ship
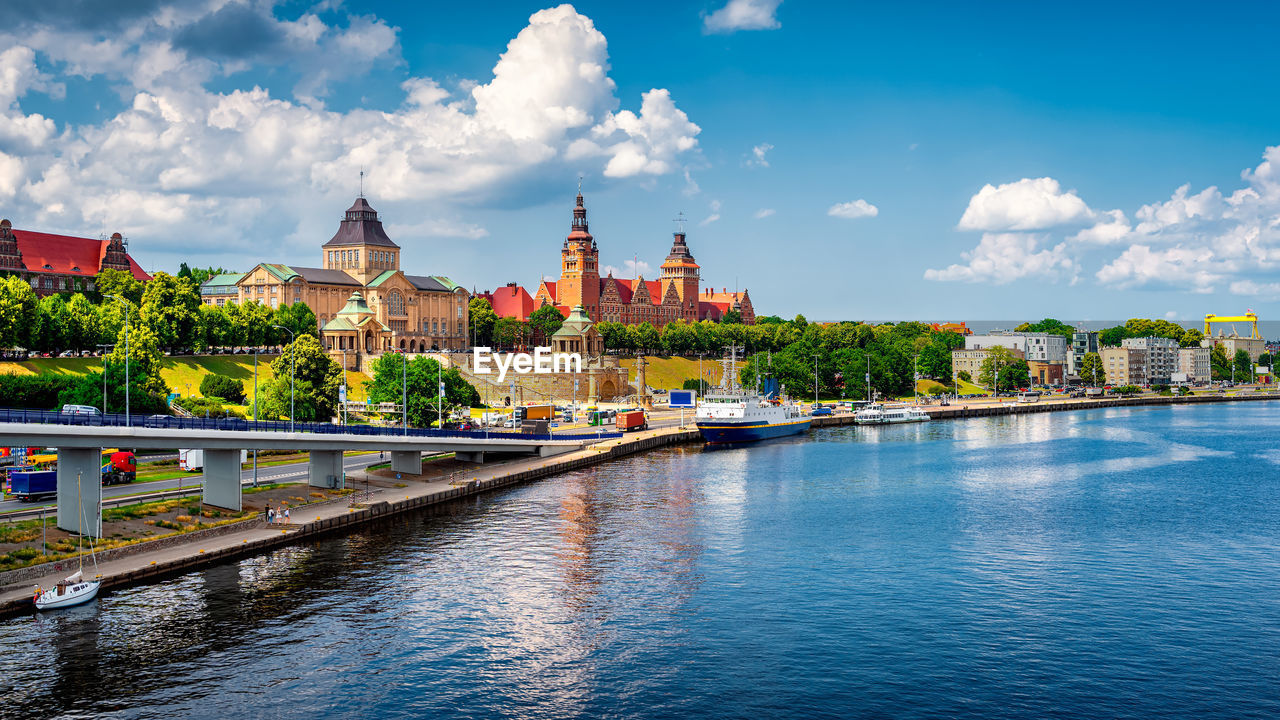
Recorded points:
(732,414)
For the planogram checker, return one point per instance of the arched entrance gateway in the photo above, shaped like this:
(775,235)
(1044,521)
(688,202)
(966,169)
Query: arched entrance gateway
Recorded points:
(356,328)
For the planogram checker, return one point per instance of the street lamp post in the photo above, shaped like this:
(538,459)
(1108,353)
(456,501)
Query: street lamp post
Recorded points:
(293,361)
(127,421)
(255,413)
(404,394)
(815,379)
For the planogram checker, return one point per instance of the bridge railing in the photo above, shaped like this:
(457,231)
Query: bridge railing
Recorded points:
(55,417)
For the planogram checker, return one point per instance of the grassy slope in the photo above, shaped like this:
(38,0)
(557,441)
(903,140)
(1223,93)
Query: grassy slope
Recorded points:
(178,372)
(670,373)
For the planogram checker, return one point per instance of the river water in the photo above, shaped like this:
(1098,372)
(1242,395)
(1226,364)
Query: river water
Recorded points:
(1118,563)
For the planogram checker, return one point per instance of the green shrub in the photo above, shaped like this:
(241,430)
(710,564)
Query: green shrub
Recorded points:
(207,407)
(35,392)
(221,386)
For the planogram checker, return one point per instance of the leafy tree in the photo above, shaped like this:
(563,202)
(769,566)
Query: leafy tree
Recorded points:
(1243,366)
(696,384)
(221,386)
(1141,327)
(965,376)
(86,322)
(545,322)
(1219,363)
(647,338)
(215,328)
(250,324)
(768,320)
(678,338)
(143,352)
(317,378)
(298,317)
(614,335)
(1048,325)
(935,360)
(199,275)
(52,329)
(508,333)
(423,375)
(1265,359)
(1011,370)
(1090,363)
(87,390)
(36,392)
(1191,338)
(17,312)
(121,283)
(171,310)
(1112,336)
(482,321)
(731,317)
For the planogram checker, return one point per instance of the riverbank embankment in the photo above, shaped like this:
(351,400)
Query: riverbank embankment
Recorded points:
(151,562)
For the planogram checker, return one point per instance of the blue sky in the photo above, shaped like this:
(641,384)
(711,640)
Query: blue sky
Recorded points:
(840,160)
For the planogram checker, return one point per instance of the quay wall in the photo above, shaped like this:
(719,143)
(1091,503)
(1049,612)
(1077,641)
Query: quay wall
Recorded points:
(594,455)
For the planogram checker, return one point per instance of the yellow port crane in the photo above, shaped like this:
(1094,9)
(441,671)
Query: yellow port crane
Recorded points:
(1248,317)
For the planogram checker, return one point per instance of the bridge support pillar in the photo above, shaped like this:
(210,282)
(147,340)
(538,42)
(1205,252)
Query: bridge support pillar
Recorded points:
(475,457)
(222,479)
(80,509)
(406,461)
(325,469)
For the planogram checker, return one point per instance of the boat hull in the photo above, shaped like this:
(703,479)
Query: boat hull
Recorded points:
(50,600)
(721,432)
(897,421)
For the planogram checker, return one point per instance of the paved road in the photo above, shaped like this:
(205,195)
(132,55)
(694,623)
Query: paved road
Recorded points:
(290,473)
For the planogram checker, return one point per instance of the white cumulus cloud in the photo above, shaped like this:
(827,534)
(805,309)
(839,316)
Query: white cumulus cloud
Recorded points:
(763,213)
(713,216)
(757,157)
(743,15)
(852,210)
(1028,204)
(185,167)
(1001,258)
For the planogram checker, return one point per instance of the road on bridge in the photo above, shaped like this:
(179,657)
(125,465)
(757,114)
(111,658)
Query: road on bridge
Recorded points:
(289,473)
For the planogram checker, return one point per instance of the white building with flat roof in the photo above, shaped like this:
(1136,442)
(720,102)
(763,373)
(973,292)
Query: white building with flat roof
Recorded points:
(1035,346)
(1193,365)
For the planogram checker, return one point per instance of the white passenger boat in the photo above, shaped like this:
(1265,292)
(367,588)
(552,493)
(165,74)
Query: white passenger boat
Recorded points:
(74,590)
(878,414)
(733,414)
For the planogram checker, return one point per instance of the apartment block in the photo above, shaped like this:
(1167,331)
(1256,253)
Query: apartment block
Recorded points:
(1161,360)
(970,361)
(1193,365)
(1124,365)
(1040,347)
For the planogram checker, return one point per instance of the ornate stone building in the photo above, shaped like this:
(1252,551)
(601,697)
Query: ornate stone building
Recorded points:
(675,295)
(62,263)
(421,313)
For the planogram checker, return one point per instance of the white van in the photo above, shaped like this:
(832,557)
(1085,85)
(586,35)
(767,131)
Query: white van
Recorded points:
(80,410)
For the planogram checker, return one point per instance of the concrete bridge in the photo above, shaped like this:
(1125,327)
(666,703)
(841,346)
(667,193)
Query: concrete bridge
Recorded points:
(80,454)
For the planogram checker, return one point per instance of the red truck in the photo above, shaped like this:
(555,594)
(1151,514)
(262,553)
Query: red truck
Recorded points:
(122,467)
(632,420)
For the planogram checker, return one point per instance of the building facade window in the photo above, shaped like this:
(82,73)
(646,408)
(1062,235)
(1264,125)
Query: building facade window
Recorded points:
(395,304)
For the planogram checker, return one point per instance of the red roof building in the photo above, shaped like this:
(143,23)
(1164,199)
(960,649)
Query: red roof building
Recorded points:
(62,263)
(674,296)
(511,301)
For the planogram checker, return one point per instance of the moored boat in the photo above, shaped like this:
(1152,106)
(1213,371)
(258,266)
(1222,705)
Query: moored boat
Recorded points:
(878,414)
(732,414)
(74,589)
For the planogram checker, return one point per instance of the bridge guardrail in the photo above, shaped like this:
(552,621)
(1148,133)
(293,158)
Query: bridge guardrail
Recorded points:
(55,417)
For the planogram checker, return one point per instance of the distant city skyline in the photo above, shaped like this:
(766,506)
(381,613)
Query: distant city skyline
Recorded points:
(840,161)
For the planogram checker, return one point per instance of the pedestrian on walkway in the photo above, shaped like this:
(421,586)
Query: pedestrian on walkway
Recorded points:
(286,514)
(271,515)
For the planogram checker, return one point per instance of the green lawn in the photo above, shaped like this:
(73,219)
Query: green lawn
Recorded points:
(182,374)
(670,373)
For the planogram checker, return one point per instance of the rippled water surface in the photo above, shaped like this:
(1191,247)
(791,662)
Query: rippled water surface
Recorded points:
(1120,563)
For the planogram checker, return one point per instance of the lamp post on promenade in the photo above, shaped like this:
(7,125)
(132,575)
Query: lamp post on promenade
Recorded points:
(255,413)
(127,421)
(293,361)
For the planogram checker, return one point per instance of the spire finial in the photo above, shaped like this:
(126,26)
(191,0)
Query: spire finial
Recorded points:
(679,221)
(579,183)
(361,181)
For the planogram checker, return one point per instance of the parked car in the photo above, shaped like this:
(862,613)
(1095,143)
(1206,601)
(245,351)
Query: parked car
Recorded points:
(80,410)
(820,411)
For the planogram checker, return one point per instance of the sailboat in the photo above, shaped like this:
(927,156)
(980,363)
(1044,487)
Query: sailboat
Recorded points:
(74,589)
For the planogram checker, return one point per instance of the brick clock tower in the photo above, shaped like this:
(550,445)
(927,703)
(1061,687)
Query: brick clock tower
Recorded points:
(680,270)
(579,267)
